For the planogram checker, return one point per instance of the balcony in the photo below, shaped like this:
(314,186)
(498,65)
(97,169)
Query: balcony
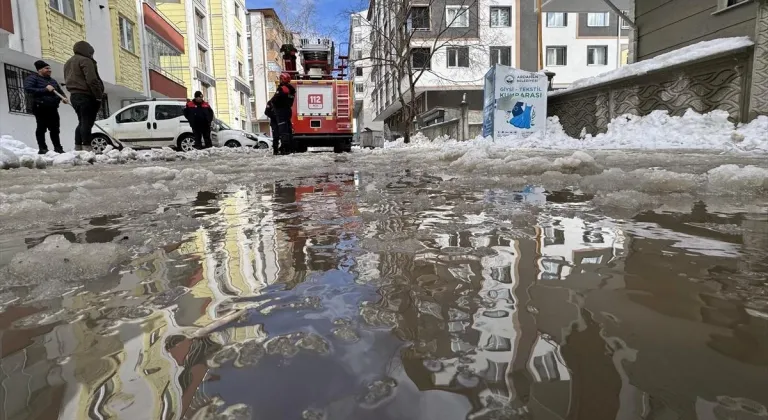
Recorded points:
(163,28)
(6,17)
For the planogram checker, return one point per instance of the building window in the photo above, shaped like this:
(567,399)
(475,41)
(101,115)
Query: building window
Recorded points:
(359,71)
(728,3)
(458,57)
(65,7)
(419,18)
(104,109)
(243,99)
(457,16)
(164,58)
(200,26)
(358,38)
(557,56)
(557,20)
(14,85)
(624,23)
(500,17)
(358,54)
(597,55)
(359,88)
(202,59)
(598,20)
(126,34)
(501,55)
(420,58)
(239,40)
(240,71)
(355,21)
(237,11)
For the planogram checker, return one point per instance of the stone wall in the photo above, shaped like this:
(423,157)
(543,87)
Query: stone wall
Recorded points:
(719,82)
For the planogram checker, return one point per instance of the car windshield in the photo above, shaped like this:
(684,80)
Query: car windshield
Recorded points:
(222,125)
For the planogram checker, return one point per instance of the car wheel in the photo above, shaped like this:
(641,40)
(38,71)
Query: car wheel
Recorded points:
(99,143)
(232,143)
(262,145)
(186,143)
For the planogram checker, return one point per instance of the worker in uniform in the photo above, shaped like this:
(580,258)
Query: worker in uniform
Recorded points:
(282,105)
(45,105)
(199,114)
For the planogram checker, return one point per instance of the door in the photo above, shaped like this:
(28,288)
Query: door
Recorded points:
(166,125)
(132,126)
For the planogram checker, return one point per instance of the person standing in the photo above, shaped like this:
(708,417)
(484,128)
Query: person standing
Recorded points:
(81,75)
(270,113)
(200,116)
(282,104)
(45,106)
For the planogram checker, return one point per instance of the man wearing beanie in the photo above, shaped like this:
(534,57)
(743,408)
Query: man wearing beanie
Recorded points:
(200,116)
(81,74)
(45,105)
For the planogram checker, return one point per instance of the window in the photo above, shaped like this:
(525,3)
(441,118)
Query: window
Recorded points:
(138,113)
(458,57)
(359,88)
(420,58)
(557,56)
(598,20)
(202,59)
(164,58)
(168,112)
(728,3)
(240,69)
(358,54)
(358,38)
(597,55)
(200,25)
(104,109)
(126,34)
(244,126)
(65,7)
(557,20)
(14,85)
(501,55)
(243,99)
(457,16)
(500,17)
(359,71)
(355,21)
(237,11)
(624,23)
(419,18)
(239,41)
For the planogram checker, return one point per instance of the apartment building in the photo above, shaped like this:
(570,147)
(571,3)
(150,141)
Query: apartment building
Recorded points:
(578,45)
(360,35)
(471,36)
(230,68)
(266,34)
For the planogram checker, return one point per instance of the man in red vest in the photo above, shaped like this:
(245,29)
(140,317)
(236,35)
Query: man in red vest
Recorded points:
(200,116)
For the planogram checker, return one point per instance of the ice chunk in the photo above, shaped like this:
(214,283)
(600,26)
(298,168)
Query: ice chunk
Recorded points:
(155,173)
(734,179)
(58,259)
(8,159)
(629,200)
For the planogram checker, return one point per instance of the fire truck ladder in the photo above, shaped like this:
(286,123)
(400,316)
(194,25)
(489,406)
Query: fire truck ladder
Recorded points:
(342,101)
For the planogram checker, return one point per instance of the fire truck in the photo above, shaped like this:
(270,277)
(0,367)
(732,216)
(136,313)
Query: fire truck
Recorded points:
(322,113)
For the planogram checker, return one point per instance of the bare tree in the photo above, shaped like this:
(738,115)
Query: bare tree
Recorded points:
(406,38)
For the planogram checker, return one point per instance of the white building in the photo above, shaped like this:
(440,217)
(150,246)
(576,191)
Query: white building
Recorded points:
(581,45)
(360,73)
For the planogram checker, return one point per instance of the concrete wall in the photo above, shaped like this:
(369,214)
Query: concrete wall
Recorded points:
(666,25)
(97,23)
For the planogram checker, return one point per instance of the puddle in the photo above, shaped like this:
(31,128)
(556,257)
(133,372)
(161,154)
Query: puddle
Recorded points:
(337,298)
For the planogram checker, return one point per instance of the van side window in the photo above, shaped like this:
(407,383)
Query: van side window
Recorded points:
(168,112)
(138,113)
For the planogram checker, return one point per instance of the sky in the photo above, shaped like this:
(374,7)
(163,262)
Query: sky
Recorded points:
(326,16)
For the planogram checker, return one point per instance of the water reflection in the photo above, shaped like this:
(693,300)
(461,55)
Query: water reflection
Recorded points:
(332,298)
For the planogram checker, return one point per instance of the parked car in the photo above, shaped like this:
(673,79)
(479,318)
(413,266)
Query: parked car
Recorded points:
(160,123)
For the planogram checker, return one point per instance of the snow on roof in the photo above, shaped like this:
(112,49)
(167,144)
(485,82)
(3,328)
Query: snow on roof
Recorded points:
(680,56)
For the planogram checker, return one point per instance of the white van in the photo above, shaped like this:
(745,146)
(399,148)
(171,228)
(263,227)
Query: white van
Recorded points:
(161,123)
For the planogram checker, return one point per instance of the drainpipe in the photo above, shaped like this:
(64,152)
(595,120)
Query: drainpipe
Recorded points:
(21,27)
(143,50)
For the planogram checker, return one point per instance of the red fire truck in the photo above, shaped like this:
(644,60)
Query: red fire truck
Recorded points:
(322,113)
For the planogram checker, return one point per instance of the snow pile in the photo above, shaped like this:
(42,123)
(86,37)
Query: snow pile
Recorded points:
(680,56)
(752,136)
(734,179)
(57,259)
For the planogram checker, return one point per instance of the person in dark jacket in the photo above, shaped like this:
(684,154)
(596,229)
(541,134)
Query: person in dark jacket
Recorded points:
(200,116)
(45,105)
(282,104)
(81,75)
(270,113)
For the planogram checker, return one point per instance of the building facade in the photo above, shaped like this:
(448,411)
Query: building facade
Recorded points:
(454,42)
(580,45)
(118,31)
(266,34)
(360,34)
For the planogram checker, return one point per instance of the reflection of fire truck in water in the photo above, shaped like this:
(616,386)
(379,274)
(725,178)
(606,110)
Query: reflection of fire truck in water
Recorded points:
(322,114)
